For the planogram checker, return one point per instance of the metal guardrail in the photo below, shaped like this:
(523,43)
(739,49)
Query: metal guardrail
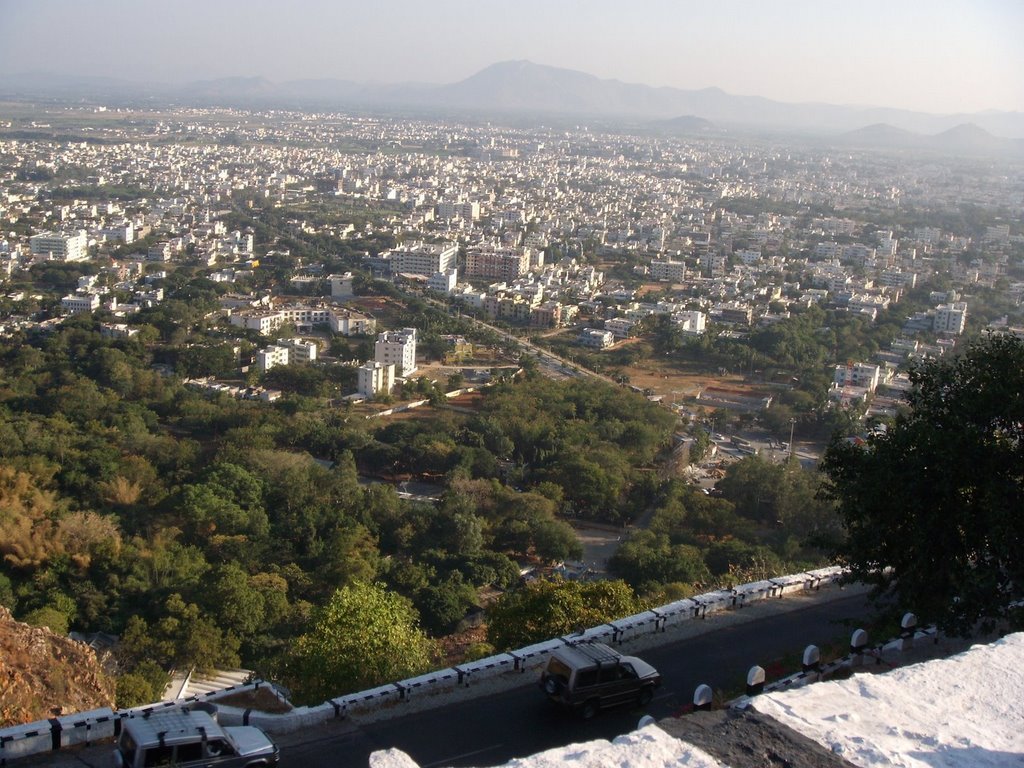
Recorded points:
(83,728)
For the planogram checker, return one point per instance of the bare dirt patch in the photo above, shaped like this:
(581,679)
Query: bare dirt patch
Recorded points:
(678,382)
(261,699)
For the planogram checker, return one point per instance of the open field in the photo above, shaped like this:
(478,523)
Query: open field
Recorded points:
(677,381)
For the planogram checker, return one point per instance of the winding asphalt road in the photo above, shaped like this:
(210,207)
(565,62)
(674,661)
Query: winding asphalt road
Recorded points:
(519,722)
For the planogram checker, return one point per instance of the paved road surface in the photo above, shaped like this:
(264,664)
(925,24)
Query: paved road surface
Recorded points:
(519,722)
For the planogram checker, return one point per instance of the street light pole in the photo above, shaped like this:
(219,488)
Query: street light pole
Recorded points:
(792,424)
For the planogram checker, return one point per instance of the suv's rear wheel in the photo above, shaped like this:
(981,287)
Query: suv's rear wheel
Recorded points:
(589,709)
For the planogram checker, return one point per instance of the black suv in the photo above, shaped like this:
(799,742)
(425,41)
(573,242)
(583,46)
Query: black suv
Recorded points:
(588,677)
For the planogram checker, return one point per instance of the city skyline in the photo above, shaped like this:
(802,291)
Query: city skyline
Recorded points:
(939,57)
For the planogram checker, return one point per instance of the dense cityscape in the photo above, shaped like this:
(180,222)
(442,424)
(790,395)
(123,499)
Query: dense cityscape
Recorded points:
(450,384)
(271,373)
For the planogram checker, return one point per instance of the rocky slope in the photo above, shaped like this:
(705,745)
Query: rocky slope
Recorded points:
(43,674)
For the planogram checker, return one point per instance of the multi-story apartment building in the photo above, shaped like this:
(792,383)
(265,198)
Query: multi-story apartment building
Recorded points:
(303,317)
(75,304)
(547,315)
(691,322)
(160,252)
(398,348)
(444,282)
(595,338)
(286,352)
(447,209)
(489,262)
(950,318)
(60,246)
(735,312)
(897,278)
(272,356)
(673,271)
(620,327)
(124,232)
(349,323)
(375,378)
(862,375)
(419,258)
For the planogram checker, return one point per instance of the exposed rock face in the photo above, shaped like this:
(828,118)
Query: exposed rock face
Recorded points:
(750,740)
(43,674)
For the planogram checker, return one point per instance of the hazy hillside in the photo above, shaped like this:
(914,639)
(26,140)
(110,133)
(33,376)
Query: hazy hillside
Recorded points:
(966,138)
(523,87)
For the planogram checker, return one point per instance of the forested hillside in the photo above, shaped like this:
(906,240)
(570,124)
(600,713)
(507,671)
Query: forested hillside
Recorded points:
(202,530)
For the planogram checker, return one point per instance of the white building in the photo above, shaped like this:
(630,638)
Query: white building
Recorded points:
(447,209)
(75,304)
(399,348)
(375,378)
(860,375)
(272,356)
(619,327)
(673,271)
(124,233)
(827,250)
(595,338)
(301,351)
(60,246)
(349,323)
(286,352)
(341,286)
(423,258)
(950,318)
(264,322)
(691,322)
(267,321)
(444,282)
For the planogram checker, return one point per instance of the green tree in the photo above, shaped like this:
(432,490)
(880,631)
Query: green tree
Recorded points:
(544,609)
(234,601)
(932,508)
(6,592)
(52,618)
(442,606)
(647,559)
(701,445)
(364,636)
(182,637)
(143,685)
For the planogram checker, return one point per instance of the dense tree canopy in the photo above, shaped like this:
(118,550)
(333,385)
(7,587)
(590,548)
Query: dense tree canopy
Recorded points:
(932,507)
(201,529)
(544,609)
(364,636)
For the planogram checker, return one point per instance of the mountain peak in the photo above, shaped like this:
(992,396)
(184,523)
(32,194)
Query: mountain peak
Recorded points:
(967,130)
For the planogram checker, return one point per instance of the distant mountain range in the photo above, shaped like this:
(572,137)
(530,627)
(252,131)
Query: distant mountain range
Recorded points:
(528,89)
(964,138)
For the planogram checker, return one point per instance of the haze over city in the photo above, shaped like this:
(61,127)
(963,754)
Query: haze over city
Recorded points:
(943,57)
(446,383)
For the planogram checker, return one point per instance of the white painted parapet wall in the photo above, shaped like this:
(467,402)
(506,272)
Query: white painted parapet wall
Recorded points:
(87,727)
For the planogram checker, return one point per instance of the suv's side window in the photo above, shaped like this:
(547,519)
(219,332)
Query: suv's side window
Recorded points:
(610,674)
(158,756)
(626,672)
(189,752)
(586,677)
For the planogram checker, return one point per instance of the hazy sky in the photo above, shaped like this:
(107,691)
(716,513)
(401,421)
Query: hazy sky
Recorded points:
(930,55)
